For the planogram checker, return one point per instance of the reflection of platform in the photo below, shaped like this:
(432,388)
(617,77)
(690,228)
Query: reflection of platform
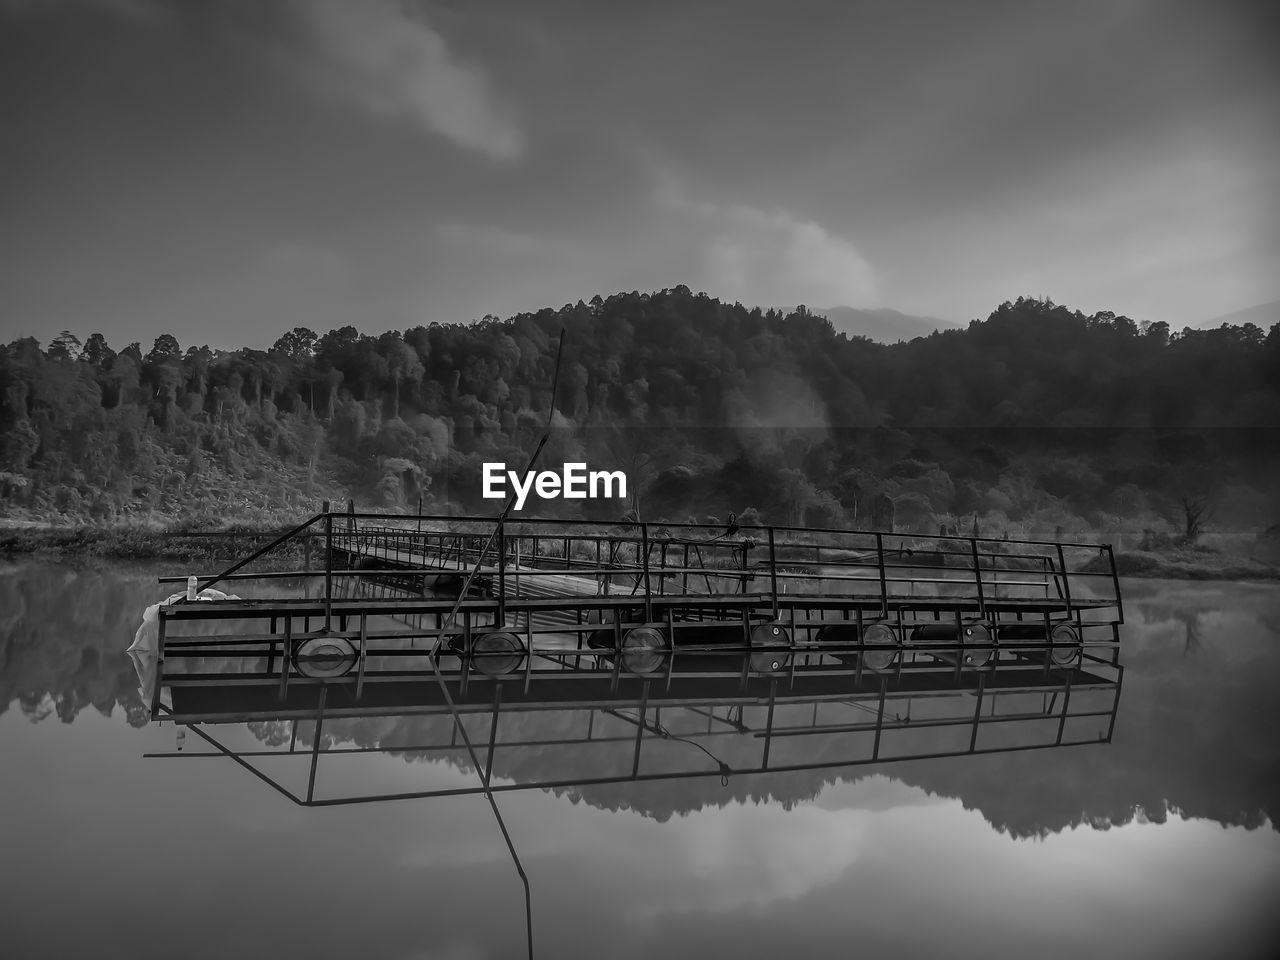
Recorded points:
(594,726)
(213,698)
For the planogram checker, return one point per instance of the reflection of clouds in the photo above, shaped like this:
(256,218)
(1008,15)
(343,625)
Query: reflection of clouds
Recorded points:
(1142,883)
(743,858)
(451,951)
(711,860)
(1134,885)
(876,792)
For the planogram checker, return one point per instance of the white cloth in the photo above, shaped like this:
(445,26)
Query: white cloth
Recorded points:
(147,639)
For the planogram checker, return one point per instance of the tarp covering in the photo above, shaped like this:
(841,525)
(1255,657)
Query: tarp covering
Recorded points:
(148,635)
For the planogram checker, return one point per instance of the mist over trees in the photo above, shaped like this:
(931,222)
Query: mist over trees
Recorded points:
(1037,419)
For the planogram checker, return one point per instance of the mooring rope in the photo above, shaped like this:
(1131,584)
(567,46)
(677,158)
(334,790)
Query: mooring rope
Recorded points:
(725,770)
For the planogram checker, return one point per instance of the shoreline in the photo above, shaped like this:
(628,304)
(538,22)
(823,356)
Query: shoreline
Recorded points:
(150,543)
(1179,565)
(139,543)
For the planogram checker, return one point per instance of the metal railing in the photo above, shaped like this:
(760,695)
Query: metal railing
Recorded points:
(564,586)
(669,559)
(689,559)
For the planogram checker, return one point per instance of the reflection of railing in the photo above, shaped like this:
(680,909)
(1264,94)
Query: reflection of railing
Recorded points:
(632,731)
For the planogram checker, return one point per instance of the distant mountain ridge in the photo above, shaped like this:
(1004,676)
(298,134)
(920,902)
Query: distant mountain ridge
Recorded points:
(882,324)
(1262,315)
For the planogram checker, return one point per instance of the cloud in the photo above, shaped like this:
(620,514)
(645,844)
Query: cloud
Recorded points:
(486,238)
(304,261)
(391,62)
(139,11)
(772,257)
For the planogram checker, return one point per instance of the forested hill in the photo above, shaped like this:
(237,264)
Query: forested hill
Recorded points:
(1036,416)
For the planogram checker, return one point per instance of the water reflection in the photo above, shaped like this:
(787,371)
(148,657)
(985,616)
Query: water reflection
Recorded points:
(680,867)
(1194,732)
(593,729)
(60,632)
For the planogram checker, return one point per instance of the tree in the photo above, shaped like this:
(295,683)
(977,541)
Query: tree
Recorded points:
(886,420)
(298,344)
(197,363)
(165,348)
(1158,333)
(1195,490)
(123,377)
(402,364)
(96,350)
(65,346)
(1197,509)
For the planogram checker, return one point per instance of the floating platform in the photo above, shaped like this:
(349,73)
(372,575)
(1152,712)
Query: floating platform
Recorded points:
(800,648)
(550,601)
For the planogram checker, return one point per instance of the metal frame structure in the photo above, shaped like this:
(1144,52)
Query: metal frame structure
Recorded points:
(563,592)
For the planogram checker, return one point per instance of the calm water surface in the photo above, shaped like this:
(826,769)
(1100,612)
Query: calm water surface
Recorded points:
(1161,844)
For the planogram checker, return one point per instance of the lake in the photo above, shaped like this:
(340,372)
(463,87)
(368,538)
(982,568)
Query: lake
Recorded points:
(1162,843)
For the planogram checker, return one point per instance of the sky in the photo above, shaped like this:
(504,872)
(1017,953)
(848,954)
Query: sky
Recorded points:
(229,169)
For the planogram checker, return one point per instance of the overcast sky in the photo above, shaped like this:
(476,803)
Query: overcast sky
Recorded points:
(227,170)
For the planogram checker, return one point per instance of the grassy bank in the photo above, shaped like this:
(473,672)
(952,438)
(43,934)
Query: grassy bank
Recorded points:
(1191,564)
(144,543)
(180,543)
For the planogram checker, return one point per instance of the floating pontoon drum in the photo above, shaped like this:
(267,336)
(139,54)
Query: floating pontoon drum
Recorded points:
(644,649)
(969,642)
(497,652)
(1062,642)
(767,635)
(323,657)
(879,634)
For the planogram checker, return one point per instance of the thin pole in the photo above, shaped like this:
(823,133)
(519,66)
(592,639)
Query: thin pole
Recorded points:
(773,573)
(328,567)
(315,745)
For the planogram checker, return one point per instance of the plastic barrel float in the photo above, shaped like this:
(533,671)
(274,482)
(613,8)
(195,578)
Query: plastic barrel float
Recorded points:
(496,652)
(770,645)
(879,635)
(968,643)
(644,648)
(324,657)
(1062,646)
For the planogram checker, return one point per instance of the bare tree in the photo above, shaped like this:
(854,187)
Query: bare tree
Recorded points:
(1197,510)
(1195,492)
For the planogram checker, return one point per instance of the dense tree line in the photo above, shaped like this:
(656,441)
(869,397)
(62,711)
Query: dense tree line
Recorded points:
(1037,416)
